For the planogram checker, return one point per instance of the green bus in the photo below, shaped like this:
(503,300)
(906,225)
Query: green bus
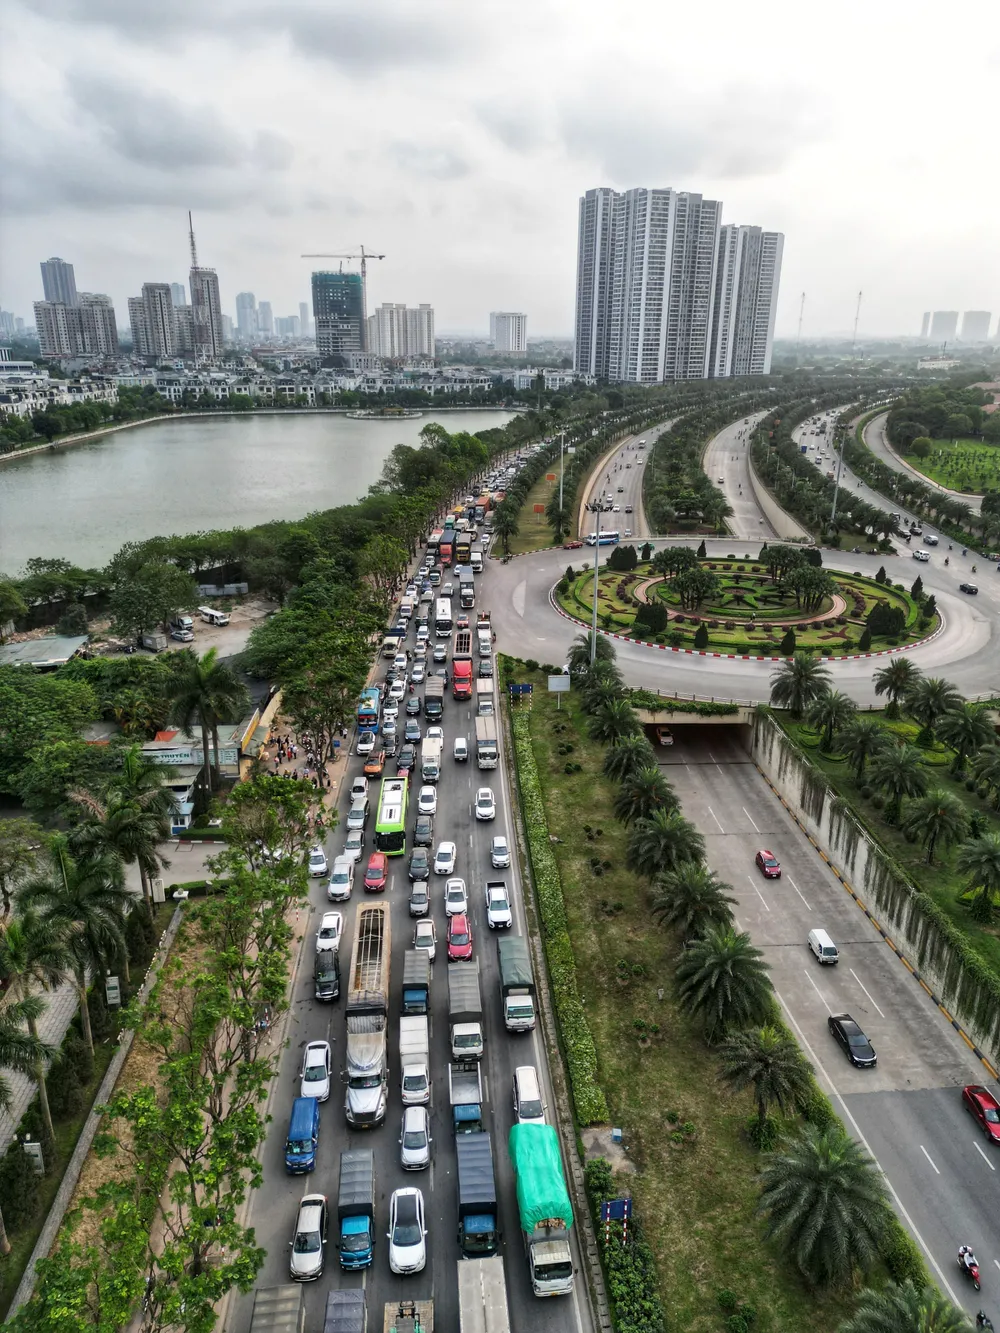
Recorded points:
(390,824)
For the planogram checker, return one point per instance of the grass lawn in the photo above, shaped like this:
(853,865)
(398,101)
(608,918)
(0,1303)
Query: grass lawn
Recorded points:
(534,531)
(961,465)
(695,1197)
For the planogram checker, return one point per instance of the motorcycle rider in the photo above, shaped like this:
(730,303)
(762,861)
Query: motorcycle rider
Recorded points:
(973,569)
(946,561)
(983,1320)
(966,1259)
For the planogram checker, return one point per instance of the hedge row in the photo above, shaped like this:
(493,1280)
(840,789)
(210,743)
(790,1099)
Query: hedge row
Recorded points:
(702,708)
(630,1268)
(574,1030)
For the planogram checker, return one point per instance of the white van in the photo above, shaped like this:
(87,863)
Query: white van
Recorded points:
(529,1109)
(822,946)
(213,617)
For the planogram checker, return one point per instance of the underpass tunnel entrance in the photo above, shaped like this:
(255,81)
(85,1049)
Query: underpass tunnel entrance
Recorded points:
(689,738)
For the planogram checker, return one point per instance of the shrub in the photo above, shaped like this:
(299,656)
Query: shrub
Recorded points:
(764,1137)
(66,1096)
(787,647)
(630,1268)
(902,1258)
(878,801)
(18,1188)
(531,664)
(701,637)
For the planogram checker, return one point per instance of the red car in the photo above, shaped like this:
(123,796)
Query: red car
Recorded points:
(375,875)
(768,864)
(572,546)
(984,1109)
(462,622)
(459,937)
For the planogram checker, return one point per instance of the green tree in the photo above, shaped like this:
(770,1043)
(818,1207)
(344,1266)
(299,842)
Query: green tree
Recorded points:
(20,1053)
(722,981)
(787,646)
(631,754)
(979,859)
(662,843)
(826,1204)
(831,712)
(641,793)
(674,560)
(383,562)
(12,605)
(899,772)
(940,817)
(930,699)
(580,649)
(322,695)
(968,729)
(695,586)
(33,958)
(20,840)
(267,814)
(692,899)
(905,1308)
(206,692)
(768,1060)
(798,683)
(896,680)
(505,525)
(860,741)
(149,596)
(610,722)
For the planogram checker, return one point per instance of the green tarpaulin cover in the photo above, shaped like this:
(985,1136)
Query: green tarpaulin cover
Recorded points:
(541,1189)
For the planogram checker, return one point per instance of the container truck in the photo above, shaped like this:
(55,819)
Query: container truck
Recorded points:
(154,640)
(345,1312)
(482,1296)
(466,587)
(434,699)
(517,984)
(465,1010)
(478,1225)
(356,1209)
(430,755)
(465,1092)
(416,981)
(463,547)
(408,1317)
(486,742)
(278,1310)
(461,665)
(367,1074)
(484,698)
(544,1208)
(414,1058)
(476,558)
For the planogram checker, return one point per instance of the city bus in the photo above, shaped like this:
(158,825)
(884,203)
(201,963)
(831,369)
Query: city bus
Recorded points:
(369,709)
(606,538)
(442,618)
(434,545)
(390,825)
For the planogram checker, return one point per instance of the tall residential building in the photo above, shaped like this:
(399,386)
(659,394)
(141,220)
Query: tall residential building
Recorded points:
(338,311)
(228,335)
(925,324)
(60,329)
(184,338)
(386,331)
(595,266)
(178,293)
(976,326)
(509,332)
(944,325)
(265,320)
(746,296)
(287,326)
(207,311)
(158,312)
(137,322)
(100,329)
(58,281)
(7,325)
(420,330)
(246,315)
(305,327)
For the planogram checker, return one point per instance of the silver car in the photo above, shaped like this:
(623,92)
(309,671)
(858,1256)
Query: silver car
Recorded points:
(415,1140)
(308,1243)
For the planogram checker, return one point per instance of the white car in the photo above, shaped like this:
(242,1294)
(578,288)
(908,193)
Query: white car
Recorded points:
(444,858)
(316,1071)
(420,653)
(920,555)
(308,1246)
(415,1140)
(407,1233)
(499,852)
(434,734)
(341,881)
(390,711)
(498,913)
(423,634)
(366,743)
(486,806)
(399,662)
(182,635)
(331,927)
(397,689)
(355,845)
(419,673)
(389,727)
(461,749)
(359,787)
(425,937)
(427,801)
(456,899)
(318,865)
(616,509)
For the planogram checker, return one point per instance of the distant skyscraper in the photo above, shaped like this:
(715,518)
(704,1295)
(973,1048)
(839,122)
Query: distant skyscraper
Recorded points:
(287,326)
(246,315)
(60,329)
(178,293)
(58,281)
(100,329)
(975,326)
(304,326)
(746,295)
(944,325)
(137,322)
(7,325)
(509,332)
(184,340)
(420,330)
(594,282)
(206,310)
(227,331)
(925,324)
(158,312)
(338,311)
(265,320)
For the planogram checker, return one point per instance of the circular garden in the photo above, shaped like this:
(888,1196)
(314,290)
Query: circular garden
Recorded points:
(771,606)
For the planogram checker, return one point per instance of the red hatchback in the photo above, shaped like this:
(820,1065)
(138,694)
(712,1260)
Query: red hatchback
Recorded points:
(459,938)
(375,875)
(984,1109)
(768,864)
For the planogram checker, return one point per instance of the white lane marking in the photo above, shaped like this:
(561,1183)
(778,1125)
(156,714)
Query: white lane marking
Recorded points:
(997,1262)
(757,891)
(979,1150)
(929,1158)
(867,1147)
(716,818)
(798,891)
(866,990)
(750,817)
(815,987)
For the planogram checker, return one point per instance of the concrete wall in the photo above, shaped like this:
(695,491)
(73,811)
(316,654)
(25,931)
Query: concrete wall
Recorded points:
(784,525)
(904,915)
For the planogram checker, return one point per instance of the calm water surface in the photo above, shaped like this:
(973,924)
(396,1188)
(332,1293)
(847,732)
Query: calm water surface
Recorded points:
(186,476)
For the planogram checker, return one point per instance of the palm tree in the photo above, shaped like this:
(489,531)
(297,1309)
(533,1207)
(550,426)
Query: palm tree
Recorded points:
(896,680)
(692,898)
(905,1308)
(204,690)
(86,903)
(768,1060)
(929,700)
(862,739)
(967,730)
(979,858)
(597,690)
(21,1053)
(899,772)
(505,525)
(628,756)
(722,980)
(579,653)
(33,957)
(938,817)
(826,1203)
(798,683)
(986,767)
(118,826)
(663,842)
(610,722)
(641,793)
(831,711)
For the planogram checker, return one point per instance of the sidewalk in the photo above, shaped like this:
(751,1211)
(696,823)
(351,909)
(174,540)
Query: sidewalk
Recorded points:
(61,1005)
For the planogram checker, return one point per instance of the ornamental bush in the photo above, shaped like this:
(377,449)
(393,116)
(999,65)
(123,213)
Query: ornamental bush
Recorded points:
(629,1267)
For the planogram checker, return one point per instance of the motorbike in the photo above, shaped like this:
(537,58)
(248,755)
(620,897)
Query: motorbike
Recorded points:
(970,1266)
(984,1321)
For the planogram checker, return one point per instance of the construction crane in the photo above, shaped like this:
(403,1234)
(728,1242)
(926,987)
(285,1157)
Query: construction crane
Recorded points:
(364,255)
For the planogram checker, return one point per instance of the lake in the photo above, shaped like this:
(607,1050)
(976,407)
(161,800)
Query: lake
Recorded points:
(192,475)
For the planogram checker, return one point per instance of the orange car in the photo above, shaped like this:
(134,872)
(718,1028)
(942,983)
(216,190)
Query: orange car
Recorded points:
(374,764)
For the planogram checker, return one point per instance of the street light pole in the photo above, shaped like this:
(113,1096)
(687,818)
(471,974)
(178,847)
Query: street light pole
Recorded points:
(595,507)
(836,483)
(562,444)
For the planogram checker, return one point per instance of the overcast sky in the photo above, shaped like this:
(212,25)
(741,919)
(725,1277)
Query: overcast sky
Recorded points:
(456,136)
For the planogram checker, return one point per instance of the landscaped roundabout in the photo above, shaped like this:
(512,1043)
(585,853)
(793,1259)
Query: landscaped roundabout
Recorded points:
(779,603)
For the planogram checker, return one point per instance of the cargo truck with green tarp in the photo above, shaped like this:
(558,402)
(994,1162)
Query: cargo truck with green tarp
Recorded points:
(546,1214)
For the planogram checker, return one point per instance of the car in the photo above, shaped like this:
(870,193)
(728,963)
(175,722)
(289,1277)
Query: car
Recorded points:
(498,913)
(425,937)
(318,864)
(499,852)
(460,749)
(389,728)
(664,736)
(415,1139)
(572,546)
(485,668)
(434,734)
(930,539)
(308,1243)
(413,705)
(768,864)
(375,763)
(357,816)
(418,675)
(456,899)
(377,872)
(341,880)
(920,555)
(423,633)
(719,481)
(621,490)
(423,831)
(444,858)
(399,663)
(397,690)
(420,903)
(355,844)
(420,653)
(627,532)
(459,937)
(359,787)
(857,1047)
(984,1109)
(427,801)
(407,1233)
(440,653)
(366,743)
(616,509)
(628,509)
(390,711)
(331,927)
(462,621)
(316,1071)
(419,866)
(486,805)
(182,635)
(968,587)
(406,760)
(411,732)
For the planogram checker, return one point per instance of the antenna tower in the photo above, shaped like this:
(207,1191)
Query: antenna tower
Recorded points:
(857,316)
(802,309)
(194,252)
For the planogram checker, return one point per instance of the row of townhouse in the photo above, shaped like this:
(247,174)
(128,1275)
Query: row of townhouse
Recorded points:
(23,395)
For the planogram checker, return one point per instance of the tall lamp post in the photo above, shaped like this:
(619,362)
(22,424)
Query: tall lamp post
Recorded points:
(597,507)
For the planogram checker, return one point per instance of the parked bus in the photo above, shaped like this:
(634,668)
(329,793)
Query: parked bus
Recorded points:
(605,539)
(442,618)
(390,826)
(369,709)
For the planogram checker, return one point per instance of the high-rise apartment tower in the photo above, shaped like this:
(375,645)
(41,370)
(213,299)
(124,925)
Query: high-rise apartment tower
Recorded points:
(976,326)
(338,311)
(509,332)
(58,281)
(746,295)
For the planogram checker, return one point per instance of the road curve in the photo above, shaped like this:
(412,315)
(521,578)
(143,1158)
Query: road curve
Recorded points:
(875,438)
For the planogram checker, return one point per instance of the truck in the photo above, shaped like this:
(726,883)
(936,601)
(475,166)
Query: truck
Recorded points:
(367,1012)
(466,587)
(465,1093)
(416,981)
(356,1209)
(414,1059)
(430,755)
(463,546)
(461,665)
(434,699)
(278,1310)
(517,984)
(345,1312)
(446,551)
(408,1317)
(407,606)
(484,639)
(484,697)
(476,558)
(544,1209)
(154,640)
(478,1219)
(486,742)
(482,1296)
(392,642)
(465,1010)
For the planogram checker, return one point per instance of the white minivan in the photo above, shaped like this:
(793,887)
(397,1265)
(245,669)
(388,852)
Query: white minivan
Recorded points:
(822,946)
(529,1109)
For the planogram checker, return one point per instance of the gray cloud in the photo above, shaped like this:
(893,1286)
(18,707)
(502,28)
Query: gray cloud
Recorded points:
(438,162)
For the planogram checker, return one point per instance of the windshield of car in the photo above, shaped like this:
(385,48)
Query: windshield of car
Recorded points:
(531,1110)
(992,1115)
(307,1242)
(460,937)
(414,1138)
(315,1073)
(414,1082)
(407,1228)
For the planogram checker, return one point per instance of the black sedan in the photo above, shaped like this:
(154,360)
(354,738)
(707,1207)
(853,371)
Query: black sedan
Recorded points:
(857,1047)
(411,732)
(423,833)
(413,705)
(968,587)
(406,760)
(420,864)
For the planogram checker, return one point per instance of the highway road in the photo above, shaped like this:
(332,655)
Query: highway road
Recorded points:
(619,482)
(876,441)
(727,464)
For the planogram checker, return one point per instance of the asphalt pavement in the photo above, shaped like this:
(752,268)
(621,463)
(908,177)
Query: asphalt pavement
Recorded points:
(876,441)
(727,464)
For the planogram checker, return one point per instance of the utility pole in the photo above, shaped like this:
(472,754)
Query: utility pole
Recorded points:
(836,481)
(595,507)
(798,338)
(857,316)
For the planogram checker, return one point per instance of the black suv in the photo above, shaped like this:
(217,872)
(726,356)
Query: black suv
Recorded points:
(406,760)
(420,864)
(423,833)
